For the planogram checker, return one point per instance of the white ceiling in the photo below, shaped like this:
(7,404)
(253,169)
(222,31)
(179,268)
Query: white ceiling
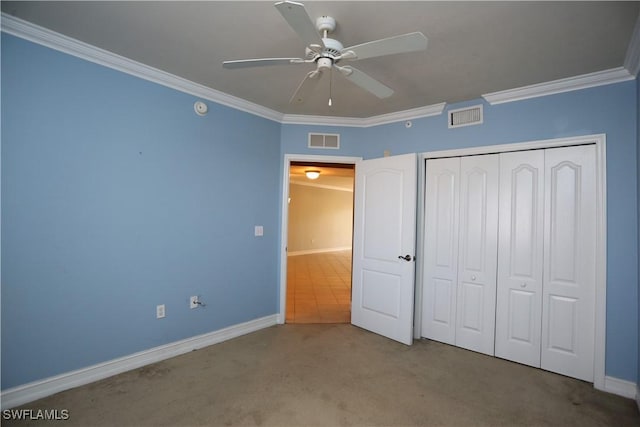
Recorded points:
(474,47)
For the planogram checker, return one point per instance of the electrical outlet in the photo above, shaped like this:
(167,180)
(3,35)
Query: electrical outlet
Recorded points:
(160,311)
(193,302)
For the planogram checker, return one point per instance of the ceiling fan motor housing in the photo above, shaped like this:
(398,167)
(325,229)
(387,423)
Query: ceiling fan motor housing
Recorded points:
(332,47)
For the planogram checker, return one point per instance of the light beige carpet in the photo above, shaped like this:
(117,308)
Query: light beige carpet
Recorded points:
(336,375)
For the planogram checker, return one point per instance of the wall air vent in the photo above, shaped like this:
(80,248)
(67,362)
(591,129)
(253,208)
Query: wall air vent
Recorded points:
(329,141)
(465,116)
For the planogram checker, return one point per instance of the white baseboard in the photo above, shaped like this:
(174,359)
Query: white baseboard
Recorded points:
(38,389)
(620,387)
(319,251)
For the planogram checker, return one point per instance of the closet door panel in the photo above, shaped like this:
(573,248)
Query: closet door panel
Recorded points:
(519,283)
(475,311)
(569,262)
(441,249)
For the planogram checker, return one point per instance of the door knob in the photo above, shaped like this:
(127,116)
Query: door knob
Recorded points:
(406,257)
(473,277)
(523,285)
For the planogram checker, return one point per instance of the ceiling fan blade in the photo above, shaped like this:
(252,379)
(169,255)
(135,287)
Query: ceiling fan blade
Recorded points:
(366,82)
(298,19)
(398,44)
(245,63)
(306,87)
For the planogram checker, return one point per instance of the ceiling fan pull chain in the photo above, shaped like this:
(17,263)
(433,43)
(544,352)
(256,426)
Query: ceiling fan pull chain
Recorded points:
(330,83)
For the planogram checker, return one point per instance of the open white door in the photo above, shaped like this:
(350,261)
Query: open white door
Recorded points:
(384,234)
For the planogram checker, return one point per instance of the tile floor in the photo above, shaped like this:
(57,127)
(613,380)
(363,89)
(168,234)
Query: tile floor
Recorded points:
(319,288)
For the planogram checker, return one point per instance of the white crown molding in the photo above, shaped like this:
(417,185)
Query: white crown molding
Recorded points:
(34,33)
(319,251)
(26,393)
(301,119)
(318,185)
(599,78)
(632,59)
(364,122)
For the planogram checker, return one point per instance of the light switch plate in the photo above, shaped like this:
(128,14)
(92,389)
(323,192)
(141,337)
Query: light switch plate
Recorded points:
(259,231)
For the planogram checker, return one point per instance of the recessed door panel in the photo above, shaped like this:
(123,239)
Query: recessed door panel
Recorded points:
(565,208)
(475,219)
(520,257)
(442,189)
(380,293)
(522,318)
(471,303)
(382,227)
(446,205)
(441,301)
(562,312)
(476,305)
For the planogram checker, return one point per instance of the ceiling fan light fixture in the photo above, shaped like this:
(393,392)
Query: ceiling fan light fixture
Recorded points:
(312,174)
(324,64)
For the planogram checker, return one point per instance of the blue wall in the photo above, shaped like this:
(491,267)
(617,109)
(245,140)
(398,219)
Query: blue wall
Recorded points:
(117,197)
(608,109)
(638,177)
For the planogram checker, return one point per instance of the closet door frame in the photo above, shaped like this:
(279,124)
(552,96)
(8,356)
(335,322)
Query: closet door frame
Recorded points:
(599,140)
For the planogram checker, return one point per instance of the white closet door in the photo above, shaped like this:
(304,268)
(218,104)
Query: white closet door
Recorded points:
(441,249)
(519,292)
(569,262)
(477,263)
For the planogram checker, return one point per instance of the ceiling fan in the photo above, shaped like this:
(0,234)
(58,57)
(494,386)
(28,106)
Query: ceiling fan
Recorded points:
(327,54)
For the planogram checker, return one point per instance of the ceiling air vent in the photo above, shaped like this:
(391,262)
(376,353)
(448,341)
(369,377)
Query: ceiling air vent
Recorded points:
(465,116)
(324,140)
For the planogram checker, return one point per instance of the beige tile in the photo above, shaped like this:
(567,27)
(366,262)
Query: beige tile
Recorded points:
(335,317)
(332,308)
(319,288)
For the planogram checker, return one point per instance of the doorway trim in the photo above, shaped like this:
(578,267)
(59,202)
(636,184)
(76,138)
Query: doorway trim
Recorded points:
(599,379)
(284,224)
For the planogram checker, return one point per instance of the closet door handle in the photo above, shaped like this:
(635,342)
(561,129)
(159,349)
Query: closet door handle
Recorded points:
(406,257)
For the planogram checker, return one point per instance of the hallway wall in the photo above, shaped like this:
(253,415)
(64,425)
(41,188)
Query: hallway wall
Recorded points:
(320,219)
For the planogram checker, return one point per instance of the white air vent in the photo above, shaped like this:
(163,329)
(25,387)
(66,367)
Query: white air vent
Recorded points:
(324,140)
(465,116)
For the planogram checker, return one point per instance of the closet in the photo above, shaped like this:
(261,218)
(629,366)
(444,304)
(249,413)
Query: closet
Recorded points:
(510,254)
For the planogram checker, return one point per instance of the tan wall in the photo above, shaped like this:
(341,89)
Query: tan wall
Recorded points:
(319,218)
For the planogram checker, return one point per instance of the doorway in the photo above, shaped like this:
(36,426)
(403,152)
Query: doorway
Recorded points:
(319,233)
